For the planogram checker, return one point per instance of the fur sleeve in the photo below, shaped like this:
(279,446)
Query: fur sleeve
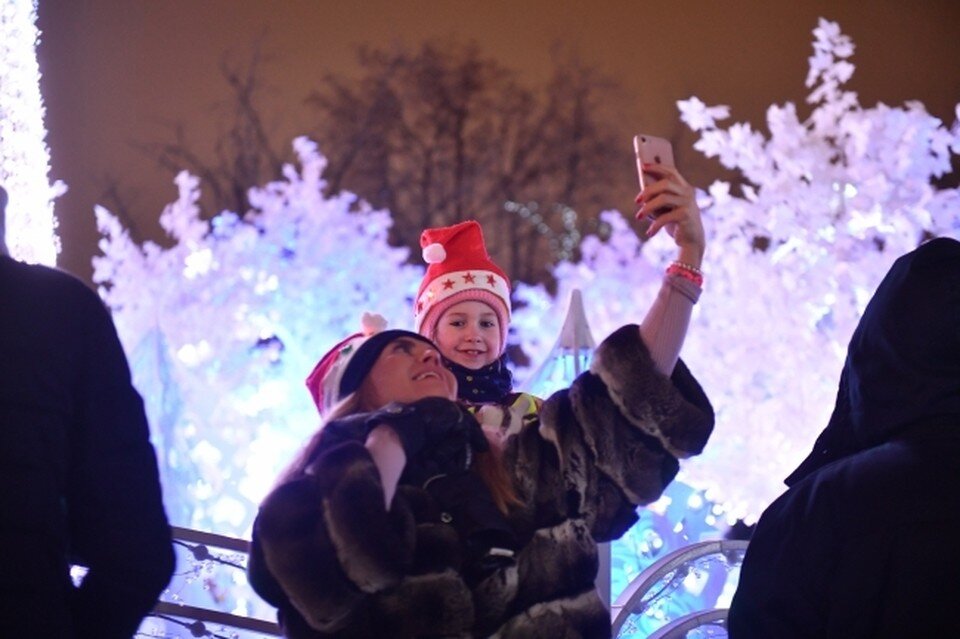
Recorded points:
(327,541)
(675,411)
(619,429)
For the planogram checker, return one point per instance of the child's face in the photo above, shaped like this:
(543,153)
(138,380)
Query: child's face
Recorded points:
(468,333)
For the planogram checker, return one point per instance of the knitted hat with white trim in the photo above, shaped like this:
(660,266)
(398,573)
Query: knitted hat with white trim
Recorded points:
(459,269)
(345,366)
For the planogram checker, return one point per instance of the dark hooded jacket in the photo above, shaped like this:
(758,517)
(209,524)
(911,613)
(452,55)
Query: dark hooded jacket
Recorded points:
(79,476)
(863,544)
(337,564)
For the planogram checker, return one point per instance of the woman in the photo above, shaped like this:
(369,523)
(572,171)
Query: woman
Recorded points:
(399,519)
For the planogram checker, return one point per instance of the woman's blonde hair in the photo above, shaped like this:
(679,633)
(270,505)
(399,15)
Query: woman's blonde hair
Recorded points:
(349,405)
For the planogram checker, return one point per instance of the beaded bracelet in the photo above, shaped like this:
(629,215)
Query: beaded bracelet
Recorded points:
(689,267)
(687,272)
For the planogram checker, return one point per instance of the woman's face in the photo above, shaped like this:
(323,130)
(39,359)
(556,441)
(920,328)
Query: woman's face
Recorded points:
(468,333)
(408,369)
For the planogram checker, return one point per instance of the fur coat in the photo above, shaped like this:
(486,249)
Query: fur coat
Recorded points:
(336,563)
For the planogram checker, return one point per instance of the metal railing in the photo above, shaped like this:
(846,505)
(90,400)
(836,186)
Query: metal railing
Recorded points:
(664,577)
(208,622)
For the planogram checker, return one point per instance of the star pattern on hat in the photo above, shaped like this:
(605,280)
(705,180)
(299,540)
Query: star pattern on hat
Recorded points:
(458,263)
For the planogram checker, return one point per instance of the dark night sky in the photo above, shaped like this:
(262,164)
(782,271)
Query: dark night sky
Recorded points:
(118,72)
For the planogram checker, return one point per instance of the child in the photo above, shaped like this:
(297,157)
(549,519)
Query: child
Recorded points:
(463,304)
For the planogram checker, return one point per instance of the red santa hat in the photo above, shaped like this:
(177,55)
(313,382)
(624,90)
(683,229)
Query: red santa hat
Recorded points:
(459,269)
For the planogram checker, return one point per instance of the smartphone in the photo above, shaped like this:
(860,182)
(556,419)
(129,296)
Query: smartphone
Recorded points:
(651,149)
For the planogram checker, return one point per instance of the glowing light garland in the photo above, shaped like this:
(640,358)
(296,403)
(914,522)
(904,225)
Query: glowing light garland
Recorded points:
(24,157)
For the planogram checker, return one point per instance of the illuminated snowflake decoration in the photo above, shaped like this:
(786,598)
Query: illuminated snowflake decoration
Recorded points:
(223,327)
(795,250)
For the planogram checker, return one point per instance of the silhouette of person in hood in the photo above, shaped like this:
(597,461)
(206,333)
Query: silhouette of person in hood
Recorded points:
(863,543)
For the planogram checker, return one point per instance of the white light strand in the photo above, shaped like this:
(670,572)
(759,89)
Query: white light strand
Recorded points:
(24,156)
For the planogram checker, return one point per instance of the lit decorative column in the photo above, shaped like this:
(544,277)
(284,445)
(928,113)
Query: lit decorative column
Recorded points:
(24,156)
(569,357)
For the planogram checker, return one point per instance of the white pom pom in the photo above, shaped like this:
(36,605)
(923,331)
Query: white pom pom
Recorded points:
(434,253)
(371,323)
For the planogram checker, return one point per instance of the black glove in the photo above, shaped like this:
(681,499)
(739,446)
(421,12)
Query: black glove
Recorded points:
(438,436)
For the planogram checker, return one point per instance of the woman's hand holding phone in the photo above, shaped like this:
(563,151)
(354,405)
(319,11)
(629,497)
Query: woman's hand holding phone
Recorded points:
(651,149)
(667,199)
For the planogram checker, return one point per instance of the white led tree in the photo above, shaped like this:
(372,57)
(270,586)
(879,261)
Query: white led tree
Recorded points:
(223,327)
(24,157)
(823,207)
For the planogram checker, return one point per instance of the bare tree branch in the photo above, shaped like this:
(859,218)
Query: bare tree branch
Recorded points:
(440,134)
